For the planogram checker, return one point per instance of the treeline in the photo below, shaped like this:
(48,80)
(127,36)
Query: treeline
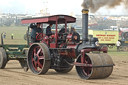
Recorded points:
(11,19)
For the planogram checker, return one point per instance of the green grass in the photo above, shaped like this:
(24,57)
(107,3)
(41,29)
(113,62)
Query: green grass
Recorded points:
(113,52)
(18,34)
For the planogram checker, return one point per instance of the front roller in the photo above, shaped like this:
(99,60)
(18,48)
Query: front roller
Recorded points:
(94,65)
(38,58)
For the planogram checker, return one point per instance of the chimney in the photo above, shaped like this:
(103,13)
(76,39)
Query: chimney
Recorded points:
(85,25)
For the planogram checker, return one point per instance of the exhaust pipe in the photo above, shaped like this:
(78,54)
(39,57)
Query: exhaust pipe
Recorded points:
(86,43)
(85,25)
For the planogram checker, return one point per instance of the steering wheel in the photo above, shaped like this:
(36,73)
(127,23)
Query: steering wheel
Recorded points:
(39,36)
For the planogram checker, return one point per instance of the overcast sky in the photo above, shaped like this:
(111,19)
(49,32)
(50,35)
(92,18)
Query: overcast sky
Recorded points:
(54,7)
(34,6)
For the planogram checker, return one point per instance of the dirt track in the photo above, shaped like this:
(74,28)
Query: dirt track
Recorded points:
(14,75)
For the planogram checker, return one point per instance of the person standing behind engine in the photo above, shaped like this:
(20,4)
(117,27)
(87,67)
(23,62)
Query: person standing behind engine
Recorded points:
(75,35)
(35,30)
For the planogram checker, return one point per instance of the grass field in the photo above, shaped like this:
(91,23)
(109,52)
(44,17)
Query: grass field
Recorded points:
(18,33)
(113,52)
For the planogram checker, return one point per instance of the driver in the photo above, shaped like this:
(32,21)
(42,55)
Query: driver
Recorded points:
(48,30)
(35,30)
(75,35)
(72,30)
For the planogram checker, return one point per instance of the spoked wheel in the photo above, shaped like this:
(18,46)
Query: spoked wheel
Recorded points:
(94,65)
(3,58)
(84,72)
(38,58)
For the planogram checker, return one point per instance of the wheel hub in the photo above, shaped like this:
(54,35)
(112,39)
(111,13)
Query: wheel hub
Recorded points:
(35,58)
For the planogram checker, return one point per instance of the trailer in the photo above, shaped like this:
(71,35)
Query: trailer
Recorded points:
(105,37)
(13,52)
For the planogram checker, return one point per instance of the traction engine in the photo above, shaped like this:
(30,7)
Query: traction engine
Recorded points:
(60,51)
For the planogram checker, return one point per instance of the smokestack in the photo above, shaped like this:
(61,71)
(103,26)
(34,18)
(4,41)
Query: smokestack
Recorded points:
(85,25)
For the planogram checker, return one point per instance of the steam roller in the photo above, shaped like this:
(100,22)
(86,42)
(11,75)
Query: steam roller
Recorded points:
(60,52)
(92,62)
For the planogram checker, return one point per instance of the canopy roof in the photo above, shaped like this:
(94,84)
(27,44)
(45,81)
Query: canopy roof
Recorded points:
(50,19)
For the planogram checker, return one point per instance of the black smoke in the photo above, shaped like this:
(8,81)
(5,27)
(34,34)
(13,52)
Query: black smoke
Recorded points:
(94,5)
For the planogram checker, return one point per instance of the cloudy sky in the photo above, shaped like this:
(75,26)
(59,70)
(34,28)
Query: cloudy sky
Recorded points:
(54,7)
(34,6)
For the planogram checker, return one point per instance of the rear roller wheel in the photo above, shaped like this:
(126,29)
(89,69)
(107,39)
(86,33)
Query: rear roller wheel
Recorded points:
(3,58)
(94,66)
(38,58)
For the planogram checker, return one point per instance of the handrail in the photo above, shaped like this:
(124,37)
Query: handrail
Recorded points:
(2,42)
